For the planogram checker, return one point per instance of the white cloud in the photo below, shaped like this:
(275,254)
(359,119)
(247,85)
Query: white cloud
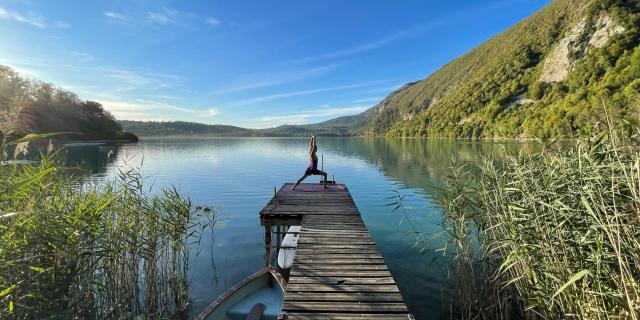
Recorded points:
(367,100)
(83,56)
(305,117)
(115,16)
(32,19)
(273,81)
(356,49)
(128,80)
(212,112)
(60,25)
(121,106)
(164,97)
(212,21)
(375,44)
(160,105)
(100,81)
(140,109)
(164,17)
(288,119)
(306,92)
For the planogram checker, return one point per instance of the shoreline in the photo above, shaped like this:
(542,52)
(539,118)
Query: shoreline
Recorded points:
(359,136)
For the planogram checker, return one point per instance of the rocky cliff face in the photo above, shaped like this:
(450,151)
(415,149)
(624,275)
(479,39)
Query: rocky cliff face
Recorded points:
(606,27)
(562,58)
(575,45)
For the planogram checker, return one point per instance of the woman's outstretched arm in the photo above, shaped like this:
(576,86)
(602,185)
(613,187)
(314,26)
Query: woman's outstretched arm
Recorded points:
(312,144)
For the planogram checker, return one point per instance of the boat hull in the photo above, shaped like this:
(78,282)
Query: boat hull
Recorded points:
(264,287)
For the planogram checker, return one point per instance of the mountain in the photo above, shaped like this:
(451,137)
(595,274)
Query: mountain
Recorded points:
(29,106)
(547,76)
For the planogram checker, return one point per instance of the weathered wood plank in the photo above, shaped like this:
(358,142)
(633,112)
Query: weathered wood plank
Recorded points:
(362,267)
(322,251)
(389,307)
(340,261)
(334,242)
(362,247)
(341,280)
(345,316)
(300,212)
(340,273)
(328,240)
(346,296)
(328,256)
(322,287)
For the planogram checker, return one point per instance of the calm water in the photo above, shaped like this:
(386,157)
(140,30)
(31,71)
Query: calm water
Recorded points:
(238,176)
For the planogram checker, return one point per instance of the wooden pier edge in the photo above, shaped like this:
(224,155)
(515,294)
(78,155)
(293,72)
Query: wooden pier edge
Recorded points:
(338,272)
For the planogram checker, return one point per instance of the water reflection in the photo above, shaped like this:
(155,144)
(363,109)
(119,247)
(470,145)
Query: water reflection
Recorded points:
(239,174)
(94,157)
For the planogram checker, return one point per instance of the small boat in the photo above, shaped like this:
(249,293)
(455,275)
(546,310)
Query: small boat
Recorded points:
(258,297)
(288,248)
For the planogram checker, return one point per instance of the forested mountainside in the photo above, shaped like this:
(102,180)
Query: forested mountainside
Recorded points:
(550,75)
(29,106)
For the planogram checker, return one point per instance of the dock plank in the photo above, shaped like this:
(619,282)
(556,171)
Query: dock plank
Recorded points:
(338,272)
(343,316)
(348,306)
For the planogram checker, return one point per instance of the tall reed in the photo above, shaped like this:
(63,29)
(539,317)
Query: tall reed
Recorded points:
(549,235)
(76,248)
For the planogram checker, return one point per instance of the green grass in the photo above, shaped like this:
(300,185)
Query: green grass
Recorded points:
(548,235)
(71,247)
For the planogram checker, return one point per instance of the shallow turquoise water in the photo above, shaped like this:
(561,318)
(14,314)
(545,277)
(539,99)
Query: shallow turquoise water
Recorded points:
(239,175)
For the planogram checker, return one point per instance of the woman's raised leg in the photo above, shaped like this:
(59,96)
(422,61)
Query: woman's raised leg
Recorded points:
(299,180)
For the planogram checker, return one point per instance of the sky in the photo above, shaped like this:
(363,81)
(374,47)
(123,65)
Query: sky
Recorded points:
(250,63)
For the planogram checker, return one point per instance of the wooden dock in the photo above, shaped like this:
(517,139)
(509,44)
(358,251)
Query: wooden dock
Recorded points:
(338,272)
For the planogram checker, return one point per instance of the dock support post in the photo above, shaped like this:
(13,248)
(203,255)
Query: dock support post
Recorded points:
(267,243)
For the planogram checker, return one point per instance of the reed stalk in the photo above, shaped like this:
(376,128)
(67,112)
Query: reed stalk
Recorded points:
(71,247)
(548,235)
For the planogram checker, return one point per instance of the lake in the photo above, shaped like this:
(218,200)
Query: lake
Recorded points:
(238,175)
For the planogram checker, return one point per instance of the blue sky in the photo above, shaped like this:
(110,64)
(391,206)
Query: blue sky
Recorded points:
(249,63)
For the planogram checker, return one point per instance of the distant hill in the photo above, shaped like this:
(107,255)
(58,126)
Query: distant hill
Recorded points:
(546,76)
(335,127)
(30,106)
(339,126)
(181,128)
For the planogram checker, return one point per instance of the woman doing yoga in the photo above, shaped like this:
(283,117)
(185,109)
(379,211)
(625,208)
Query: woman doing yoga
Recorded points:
(313,165)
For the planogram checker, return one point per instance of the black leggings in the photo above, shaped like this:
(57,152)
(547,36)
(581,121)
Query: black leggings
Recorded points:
(314,172)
